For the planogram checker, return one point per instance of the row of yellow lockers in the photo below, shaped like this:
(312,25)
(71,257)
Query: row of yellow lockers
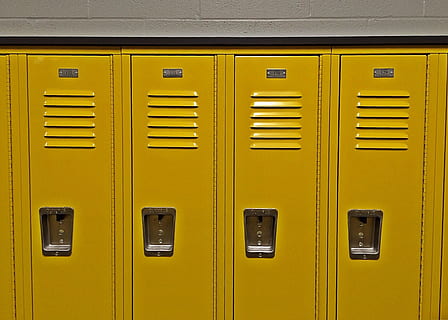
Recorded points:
(252,186)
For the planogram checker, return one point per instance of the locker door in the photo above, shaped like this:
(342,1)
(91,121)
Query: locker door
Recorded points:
(382,122)
(444,275)
(6,272)
(276,132)
(444,299)
(173,160)
(70,116)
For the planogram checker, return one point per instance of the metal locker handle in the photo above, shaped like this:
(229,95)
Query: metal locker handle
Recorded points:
(260,232)
(364,227)
(56,225)
(158,231)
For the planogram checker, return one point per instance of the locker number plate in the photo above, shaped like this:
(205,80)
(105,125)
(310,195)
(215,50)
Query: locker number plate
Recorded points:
(68,73)
(173,73)
(276,73)
(383,73)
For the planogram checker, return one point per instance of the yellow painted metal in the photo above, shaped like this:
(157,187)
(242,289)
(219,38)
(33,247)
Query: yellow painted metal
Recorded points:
(332,148)
(127,226)
(434,177)
(389,49)
(277,177)
(384,120)
(322,255)
(227,50)
(229,168)
(21,196)
(79,286)
(7,299)
(60,50)
(442,100)
(444,277)
(119,199)
(176,171)
(373,175)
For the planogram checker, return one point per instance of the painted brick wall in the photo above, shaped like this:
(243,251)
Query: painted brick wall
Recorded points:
(223,17)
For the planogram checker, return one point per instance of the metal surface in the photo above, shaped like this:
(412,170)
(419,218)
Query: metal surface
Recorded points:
(276,73)
(68,73)
(383,72)
(260,232)
(381,166)
(74,176)
(225,41)
(173,162)
(7,296)
(56,230)
(275,167)
(173,73)
(158,231)
(364,229)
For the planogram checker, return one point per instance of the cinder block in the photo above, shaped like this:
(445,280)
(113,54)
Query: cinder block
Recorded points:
(43,8)
(436,8)
(366,8)
(249,9)
(153,9)
(408,27)
(229,28)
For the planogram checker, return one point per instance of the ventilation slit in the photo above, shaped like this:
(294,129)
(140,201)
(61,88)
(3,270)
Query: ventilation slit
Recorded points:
(69,119)
(276,120)
(382,120)
(173,120)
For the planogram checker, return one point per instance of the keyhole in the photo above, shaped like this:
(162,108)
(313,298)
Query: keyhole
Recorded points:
(363,220)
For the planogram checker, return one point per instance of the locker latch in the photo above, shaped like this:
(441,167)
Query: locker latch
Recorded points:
(260,231)
(365,233)
(56,224)
(158,231)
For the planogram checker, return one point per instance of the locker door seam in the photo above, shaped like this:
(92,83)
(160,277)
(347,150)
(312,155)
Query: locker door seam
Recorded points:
(424,181)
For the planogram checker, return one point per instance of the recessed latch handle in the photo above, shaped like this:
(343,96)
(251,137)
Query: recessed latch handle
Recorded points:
(158,231)
(260,232)
(364,227)
(56,224)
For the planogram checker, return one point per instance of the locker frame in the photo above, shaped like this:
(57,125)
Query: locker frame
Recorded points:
(225,57)
(6,161)
(433,168)
(22,222)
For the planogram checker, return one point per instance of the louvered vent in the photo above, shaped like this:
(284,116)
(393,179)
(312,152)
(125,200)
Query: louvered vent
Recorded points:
(173,120)
(69,119)
(275,120)
(382,120)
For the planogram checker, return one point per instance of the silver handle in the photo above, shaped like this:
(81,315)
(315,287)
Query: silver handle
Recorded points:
(260,232)
(56,225)
(364,227)
(158,231)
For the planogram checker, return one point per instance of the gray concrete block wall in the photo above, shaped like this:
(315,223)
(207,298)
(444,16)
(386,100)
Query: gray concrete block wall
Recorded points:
(222,17)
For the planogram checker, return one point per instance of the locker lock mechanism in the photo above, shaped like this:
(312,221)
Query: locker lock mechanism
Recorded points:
(158,231)
(56,225)
(364,228)
(260,231)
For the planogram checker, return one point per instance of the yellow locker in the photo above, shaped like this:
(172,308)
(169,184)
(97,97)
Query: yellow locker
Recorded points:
(276,152)
(444,275)
(444,291)
(6,256)
(173,107)
(71,180)
(381,171)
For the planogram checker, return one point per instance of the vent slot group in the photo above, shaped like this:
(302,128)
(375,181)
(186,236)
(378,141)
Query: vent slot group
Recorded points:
(276,120)
(69,119)
(173,120)
(382,120)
